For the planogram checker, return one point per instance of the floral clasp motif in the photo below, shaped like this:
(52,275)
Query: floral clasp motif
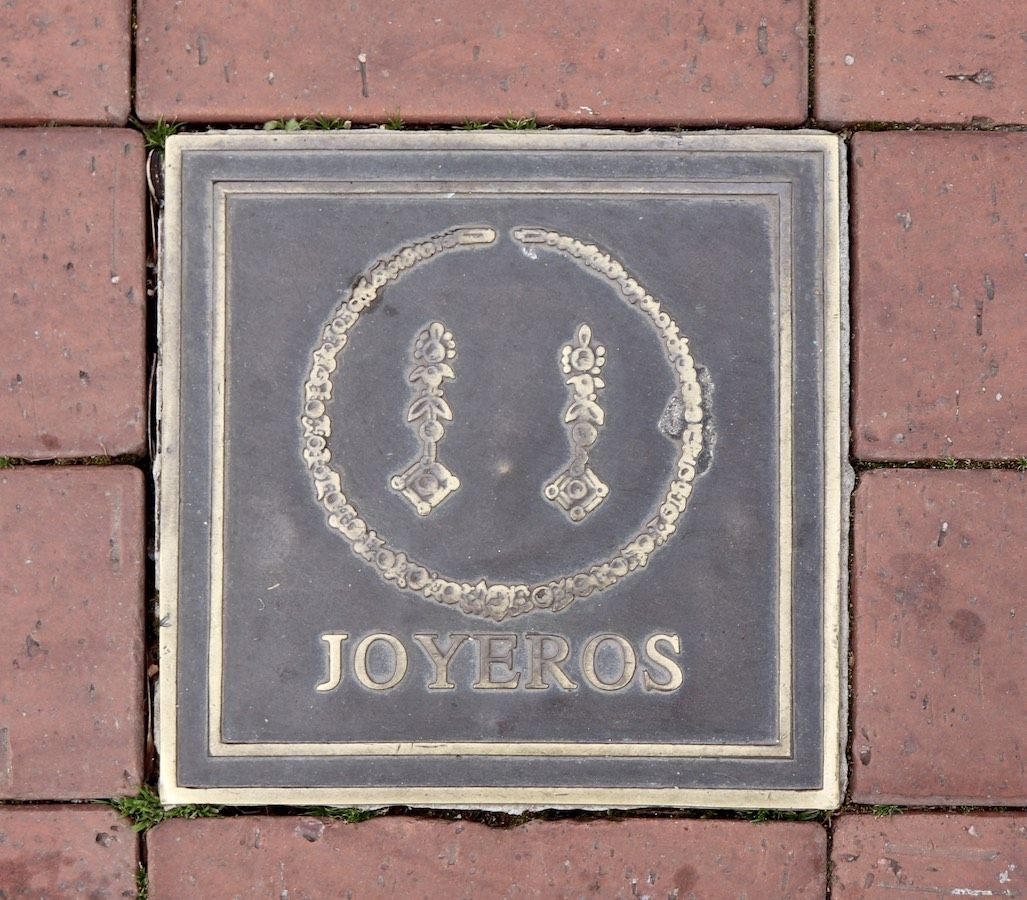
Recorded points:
(577,490)
(427,482)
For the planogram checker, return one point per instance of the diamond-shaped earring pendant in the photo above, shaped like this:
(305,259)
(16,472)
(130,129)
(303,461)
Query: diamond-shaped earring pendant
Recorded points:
(426,482)
(577,490)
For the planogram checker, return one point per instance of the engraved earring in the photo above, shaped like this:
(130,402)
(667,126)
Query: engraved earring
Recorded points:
(427,482)
(577,490)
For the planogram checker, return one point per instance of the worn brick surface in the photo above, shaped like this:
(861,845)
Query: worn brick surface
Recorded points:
(66,851)
(259,856)
(940,637)
(71,583)
(605,62)
(932,61)
(72,292)
(939,295)
(930,854)
(65,62)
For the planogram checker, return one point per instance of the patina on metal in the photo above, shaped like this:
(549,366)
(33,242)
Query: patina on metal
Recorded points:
(502,470)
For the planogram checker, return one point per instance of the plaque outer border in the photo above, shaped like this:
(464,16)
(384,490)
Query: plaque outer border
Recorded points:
(838,476)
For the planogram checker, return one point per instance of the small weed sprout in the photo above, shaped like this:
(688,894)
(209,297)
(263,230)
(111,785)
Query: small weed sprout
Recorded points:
(882,812)
(145,810)
(142,884)
(759,816)
(317,123)
(395,122)
(157,134)
(525,123)
(342,813)
(283,125)
(331,123)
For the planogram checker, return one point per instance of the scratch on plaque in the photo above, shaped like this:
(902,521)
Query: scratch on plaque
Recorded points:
(672,420)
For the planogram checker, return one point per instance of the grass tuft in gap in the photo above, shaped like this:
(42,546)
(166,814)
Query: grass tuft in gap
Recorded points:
(145,810)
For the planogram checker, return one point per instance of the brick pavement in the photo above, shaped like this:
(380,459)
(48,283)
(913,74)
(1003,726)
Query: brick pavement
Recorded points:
(939,638)
(66,851)
(938,274)
(939,265)
(389,857)
(72,706)
(65,62)
(575,63)
(921,61)
(72,360)
(967,855)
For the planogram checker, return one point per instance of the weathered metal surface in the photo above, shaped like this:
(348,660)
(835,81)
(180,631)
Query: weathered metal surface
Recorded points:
(502,469)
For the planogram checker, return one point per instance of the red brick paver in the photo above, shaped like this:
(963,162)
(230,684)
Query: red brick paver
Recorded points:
(259,856)
(931,61)
(71,646)
(65,62)
(930,854)
(606,62)
(66,851)
(939,295)
(72,292)
(940,638)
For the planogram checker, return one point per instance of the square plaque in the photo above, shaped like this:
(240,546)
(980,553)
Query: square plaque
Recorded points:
(503,469)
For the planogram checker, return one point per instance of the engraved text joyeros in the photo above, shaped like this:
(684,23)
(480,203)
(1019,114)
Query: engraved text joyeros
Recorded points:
(494,599)
(578,490)
(427,482)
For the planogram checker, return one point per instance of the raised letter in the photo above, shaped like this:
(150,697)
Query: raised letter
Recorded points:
(543,662)
(399,655)
(628,662)
(664,661)
(334,642)
(489,656)
(440,658)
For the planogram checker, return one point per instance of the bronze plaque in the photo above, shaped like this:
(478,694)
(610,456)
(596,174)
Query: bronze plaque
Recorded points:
(502,469)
